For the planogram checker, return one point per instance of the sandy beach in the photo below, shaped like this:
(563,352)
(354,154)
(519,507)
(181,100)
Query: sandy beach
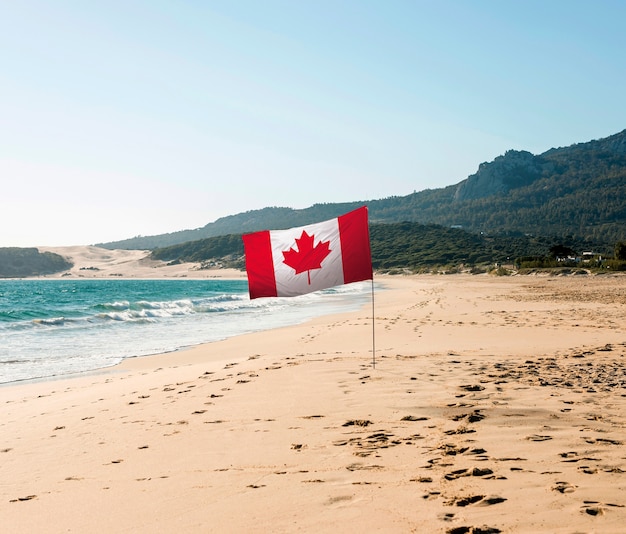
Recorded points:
(497,404)
(96,262)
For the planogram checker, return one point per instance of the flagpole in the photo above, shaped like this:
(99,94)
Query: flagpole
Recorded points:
(373,330)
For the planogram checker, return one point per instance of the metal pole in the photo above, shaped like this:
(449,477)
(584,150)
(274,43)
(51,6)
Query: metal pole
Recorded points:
(373,330)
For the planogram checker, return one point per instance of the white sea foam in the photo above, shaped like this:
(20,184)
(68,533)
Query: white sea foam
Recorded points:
(92,336)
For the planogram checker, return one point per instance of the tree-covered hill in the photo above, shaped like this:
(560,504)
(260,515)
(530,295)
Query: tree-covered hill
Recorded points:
(576,192)
(23,262)
(406,245)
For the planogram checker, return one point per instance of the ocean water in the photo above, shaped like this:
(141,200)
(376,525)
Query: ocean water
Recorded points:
(53,328)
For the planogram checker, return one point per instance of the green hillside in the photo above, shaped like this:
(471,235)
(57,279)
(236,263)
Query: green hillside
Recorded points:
(576,192)
(22,262)
(407,245)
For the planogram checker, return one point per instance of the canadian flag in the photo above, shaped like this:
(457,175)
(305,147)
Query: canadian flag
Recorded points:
(286,263)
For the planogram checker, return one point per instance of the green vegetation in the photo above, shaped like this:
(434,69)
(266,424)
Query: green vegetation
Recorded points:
(227,249)
(410,247)
(22,262)
(418,247)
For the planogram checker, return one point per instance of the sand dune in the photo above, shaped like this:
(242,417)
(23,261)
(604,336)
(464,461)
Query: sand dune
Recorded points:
(496,405)
(95,262)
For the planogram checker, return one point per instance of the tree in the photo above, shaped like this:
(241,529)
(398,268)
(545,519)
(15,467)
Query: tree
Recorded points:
(561,251)
(620,250)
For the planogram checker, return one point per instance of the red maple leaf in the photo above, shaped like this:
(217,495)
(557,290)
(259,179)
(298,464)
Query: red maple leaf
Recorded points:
(307,257)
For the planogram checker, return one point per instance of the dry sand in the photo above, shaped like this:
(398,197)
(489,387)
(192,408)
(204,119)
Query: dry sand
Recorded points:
(496,405)
(96,262)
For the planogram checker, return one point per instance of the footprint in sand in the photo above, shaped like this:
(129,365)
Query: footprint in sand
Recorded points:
(361,467)
(587,469)
(602,441)
(457,474)
(473,530)
(450,449)
(596,508)
(357,422)
(537,437)
(474,499)
(465,501)
(564,487)
(592,508)
(413,418)
(22,499)
(476,472)
(472,387)
(488,501)
(460,430)
(473,417)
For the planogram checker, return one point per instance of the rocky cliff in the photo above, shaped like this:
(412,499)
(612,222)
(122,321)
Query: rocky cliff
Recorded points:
(520,168)
(515,169)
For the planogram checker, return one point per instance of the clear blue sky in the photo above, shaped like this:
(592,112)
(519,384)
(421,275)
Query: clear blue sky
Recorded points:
(139,117)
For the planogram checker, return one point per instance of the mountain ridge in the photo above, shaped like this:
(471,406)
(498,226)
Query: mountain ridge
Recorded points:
(578,190)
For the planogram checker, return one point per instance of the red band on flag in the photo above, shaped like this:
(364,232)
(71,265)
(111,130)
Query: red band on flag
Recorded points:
(355,246)
(259,265)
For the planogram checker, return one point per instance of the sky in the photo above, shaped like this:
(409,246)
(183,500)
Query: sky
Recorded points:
(143,117)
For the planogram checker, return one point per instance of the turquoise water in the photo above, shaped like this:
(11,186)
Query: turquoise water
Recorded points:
(51,328)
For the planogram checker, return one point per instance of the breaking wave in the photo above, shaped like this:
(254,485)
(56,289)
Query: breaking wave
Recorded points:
(53,328)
